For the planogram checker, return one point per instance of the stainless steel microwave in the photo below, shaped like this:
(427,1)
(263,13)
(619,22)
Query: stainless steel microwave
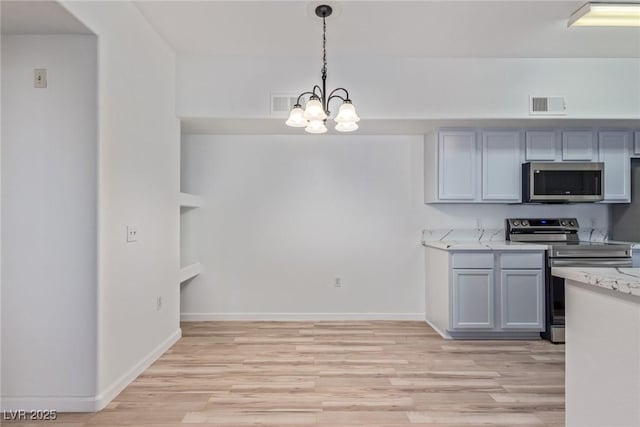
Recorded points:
(562,182)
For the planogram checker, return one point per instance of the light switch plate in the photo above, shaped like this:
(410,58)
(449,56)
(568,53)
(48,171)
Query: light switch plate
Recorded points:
(132,233)
(40,78)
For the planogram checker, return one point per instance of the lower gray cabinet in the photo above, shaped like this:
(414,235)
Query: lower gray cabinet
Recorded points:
(495,293)
(473,299)
(521,299)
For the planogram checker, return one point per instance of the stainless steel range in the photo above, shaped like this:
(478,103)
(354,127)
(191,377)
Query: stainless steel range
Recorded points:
(565,249)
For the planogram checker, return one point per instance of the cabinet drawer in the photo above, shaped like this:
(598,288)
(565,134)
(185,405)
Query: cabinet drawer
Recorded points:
(517,261)
(472,260)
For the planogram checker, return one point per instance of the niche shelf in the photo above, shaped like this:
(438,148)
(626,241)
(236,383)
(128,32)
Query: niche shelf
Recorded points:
(188,200)
(190,271)
(190,268)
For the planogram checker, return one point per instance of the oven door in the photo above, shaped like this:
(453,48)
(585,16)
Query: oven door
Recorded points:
(555,303)
(563,182)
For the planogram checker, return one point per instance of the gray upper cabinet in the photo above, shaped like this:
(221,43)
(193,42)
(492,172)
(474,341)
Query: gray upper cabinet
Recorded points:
(540,145)
(578,146)
(457,165)
(614,151)
(485,166)
(521,293)
(501,170)
(473,299)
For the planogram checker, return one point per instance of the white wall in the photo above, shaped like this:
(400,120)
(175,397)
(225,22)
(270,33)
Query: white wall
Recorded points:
(49,218)
(284,215)
(138,174)
(399,88)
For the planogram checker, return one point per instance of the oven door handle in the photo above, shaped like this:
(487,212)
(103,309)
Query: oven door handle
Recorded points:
(591,254)
(590,262)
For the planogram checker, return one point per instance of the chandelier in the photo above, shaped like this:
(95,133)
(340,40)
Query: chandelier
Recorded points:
(316,111)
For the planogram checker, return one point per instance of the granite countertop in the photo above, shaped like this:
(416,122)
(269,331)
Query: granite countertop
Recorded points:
(624,280)
(492,245)
(490,239)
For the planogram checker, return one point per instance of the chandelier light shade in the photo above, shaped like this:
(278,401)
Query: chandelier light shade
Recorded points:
(316,126)
(346,126)
(314,115)
(347,113)
(296,117)
(606,15)
(314,109)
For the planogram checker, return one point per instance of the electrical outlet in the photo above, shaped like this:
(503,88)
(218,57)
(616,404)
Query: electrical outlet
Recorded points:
(132,233)
(337,283)
(40,78)
(158,303)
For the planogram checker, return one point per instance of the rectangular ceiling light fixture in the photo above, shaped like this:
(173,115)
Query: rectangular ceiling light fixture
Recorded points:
(606,15)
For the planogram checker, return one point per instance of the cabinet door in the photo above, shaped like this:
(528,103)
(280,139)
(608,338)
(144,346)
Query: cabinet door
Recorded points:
(457,161)
(636,145)
(578,145)
(540,145)
(521,299)
(501,166)
(614,152)
(473,299)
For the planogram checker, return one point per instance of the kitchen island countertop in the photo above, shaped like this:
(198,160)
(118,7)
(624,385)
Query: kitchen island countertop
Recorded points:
(624,280)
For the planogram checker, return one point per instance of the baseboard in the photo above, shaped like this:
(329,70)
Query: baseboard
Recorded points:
(443,334)
(60,404)
(104,398)
(200,317)
(526,336)
(89,403)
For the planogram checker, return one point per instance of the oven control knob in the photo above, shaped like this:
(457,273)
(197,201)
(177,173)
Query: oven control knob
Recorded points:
(525,223)
(572,223)
(516,223)
(563,223)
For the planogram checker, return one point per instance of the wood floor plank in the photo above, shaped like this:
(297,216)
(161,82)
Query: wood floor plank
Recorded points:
(321,374)
(508,419)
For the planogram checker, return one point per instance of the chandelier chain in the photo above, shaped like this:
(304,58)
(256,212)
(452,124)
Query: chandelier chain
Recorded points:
(324,46)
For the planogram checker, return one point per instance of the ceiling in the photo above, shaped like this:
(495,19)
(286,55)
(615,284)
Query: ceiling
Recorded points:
(38,17)
(448,28)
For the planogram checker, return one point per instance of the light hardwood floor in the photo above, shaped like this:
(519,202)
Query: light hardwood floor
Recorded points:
(382,373)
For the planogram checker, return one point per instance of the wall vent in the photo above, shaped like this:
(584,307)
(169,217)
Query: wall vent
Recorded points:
(281,104)
(547,105)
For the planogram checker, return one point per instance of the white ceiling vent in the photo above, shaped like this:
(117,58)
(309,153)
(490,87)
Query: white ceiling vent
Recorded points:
(547,105)
(281,104)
